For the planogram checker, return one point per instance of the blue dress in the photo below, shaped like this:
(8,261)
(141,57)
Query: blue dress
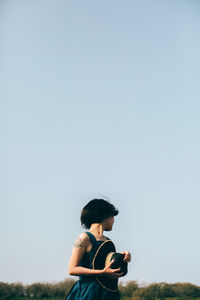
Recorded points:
(87,288)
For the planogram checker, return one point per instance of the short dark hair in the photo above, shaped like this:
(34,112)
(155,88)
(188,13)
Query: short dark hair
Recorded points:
(96,211)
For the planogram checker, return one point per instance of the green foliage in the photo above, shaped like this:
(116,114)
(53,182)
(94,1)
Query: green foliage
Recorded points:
(163,291)
(25,298)
(126,291)
(129,291)
(22,298)
(36,290)
(13,290)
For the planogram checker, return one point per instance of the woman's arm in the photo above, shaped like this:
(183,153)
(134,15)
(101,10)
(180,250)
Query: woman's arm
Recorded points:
(80,247)
(78,250)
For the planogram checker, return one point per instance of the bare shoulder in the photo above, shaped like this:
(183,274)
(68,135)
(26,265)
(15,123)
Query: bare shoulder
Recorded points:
(82,240)
(84,237)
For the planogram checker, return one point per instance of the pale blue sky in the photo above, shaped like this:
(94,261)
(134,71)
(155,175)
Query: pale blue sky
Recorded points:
(100,98)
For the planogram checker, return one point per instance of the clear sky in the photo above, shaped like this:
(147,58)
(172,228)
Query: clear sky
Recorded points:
(100,98)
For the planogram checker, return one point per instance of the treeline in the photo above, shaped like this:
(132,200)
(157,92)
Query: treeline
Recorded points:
(36,290)
(128,291)
(159,291)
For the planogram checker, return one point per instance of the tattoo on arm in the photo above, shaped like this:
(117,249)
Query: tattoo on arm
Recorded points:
(78,243)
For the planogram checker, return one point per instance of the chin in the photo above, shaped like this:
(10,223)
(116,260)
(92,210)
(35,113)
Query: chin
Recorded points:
(108,229)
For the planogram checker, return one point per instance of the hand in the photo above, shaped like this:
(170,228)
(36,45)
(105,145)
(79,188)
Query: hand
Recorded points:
(127,257)
(113,273)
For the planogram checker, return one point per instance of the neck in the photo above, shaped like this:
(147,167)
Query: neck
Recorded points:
(97,230)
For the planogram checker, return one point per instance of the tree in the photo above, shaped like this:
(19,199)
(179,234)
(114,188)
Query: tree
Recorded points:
(128,289)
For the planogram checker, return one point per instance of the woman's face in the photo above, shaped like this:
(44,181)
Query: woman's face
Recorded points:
(108,223)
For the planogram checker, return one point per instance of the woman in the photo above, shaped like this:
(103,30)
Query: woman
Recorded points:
(97,216)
